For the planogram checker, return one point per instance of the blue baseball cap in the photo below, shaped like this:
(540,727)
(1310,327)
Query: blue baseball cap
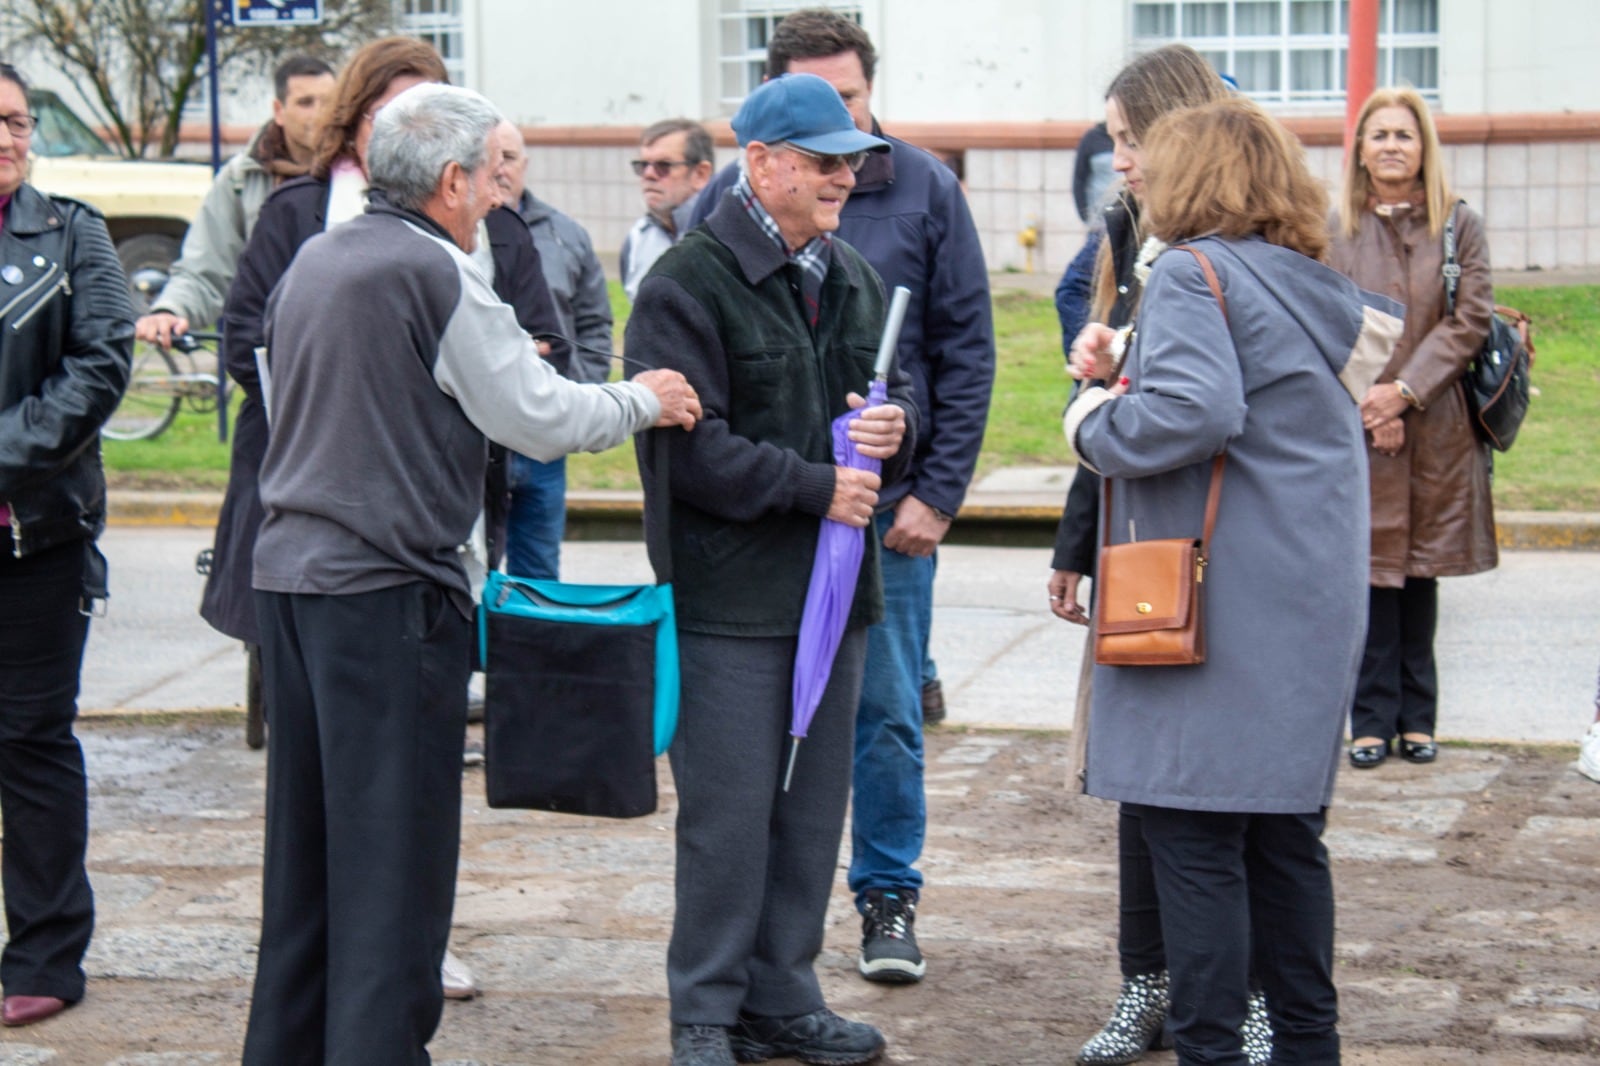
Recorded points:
(803,110)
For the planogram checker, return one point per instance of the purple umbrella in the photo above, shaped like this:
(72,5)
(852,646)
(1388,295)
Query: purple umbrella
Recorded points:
(838,559)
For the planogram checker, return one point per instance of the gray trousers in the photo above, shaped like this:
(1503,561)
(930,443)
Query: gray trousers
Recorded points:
(756,864)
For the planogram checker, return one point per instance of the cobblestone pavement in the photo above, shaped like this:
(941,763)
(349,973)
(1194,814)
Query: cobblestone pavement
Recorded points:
(1469,925)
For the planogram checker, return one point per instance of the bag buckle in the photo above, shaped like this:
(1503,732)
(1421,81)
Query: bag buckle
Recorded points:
(1451,270)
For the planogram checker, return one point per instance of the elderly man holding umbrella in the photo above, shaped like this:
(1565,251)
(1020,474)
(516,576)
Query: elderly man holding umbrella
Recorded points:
(774,323)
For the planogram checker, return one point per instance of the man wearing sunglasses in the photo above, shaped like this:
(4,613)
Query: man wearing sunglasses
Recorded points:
(908,217)
(774,321)
(674,164)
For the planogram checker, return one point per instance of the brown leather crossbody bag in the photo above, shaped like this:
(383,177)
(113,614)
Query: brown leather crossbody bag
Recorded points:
(1148,607)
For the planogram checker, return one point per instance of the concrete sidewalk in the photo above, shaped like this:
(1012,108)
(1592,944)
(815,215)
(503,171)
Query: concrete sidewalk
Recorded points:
(1017,507)
(1517,647)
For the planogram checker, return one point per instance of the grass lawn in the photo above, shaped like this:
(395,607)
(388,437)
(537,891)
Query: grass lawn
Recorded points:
(1552,467)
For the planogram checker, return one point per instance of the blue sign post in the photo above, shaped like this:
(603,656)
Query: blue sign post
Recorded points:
(248,13)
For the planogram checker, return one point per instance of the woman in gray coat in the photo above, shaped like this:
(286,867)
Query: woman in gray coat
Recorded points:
(1232,762)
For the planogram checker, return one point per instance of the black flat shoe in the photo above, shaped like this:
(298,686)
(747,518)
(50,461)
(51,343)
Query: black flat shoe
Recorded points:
(1367,756)
(1418,751)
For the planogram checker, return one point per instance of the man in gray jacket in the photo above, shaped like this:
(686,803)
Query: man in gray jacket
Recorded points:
(392,360)
(280,150)
(537,517)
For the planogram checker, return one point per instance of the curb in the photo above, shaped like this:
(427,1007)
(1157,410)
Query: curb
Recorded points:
(991,521)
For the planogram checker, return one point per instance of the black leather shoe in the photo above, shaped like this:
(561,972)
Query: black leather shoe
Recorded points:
(1366,756)
(1418,751)
(821,1037)
(701,1045)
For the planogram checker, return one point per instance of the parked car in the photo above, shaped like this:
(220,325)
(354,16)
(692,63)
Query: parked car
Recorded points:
(147,204)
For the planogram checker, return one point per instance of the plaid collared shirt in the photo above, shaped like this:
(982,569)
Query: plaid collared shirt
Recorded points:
(812,258)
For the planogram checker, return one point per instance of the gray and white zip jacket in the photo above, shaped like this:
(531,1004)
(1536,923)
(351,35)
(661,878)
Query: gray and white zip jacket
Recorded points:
(392,360)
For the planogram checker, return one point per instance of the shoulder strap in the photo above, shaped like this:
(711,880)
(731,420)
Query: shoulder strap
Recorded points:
(658,509)
(1214,492)
(1452,269)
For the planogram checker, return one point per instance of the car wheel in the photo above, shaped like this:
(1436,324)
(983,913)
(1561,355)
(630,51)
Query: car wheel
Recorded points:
(147,260)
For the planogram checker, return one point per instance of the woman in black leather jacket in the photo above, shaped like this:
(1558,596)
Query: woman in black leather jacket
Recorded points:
(66,342)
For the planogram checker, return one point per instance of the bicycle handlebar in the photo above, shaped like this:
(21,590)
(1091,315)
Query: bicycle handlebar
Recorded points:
(192,340)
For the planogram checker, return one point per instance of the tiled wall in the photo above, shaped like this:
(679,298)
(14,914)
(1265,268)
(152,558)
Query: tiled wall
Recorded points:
(592,184)
(1541,202)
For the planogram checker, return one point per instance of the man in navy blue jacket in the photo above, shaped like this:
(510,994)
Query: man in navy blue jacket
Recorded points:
(909,219)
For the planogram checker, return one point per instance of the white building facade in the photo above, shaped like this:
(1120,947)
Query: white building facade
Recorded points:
(1006,89)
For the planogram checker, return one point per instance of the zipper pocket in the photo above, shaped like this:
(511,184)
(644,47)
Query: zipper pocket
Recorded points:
(63,286)
(29,291)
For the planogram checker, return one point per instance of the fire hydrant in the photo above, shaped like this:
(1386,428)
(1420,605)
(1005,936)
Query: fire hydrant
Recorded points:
(1029,239)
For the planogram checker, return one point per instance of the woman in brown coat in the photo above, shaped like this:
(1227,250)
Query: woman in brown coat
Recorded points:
(1432,514)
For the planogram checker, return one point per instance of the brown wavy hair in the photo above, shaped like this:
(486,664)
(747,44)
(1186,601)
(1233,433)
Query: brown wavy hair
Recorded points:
(1231,169)
(363,80)
(1357,188)
(1151,85)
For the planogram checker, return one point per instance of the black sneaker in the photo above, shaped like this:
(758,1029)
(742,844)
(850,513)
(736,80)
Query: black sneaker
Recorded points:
(701,1045)
(821,1037)
(888,938)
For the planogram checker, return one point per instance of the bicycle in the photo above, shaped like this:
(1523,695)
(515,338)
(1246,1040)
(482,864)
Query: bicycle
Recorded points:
(158,389)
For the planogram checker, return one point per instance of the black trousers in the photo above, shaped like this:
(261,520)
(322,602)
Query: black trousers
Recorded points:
(369,707)
(755,864)
(44,794)
(1398,689)
(1139,944)
(1237,888)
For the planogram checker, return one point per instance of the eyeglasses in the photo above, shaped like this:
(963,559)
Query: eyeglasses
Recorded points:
(20,125)
(827,164)
(659,168)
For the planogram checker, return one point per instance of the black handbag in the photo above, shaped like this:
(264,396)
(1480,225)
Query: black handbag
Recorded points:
(581,685)
(1496,382)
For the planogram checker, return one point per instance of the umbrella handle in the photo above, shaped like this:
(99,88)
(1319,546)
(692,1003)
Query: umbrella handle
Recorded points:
(891,332)
(788,774)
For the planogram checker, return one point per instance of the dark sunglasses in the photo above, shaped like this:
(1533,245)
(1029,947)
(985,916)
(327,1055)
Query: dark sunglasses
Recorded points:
(827,164)
(658,167)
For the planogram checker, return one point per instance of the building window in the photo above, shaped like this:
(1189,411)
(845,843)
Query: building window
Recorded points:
(744,28)
(1293,51)
(438,22)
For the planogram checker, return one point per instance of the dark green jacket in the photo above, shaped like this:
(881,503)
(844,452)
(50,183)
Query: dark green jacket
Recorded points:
(750,483)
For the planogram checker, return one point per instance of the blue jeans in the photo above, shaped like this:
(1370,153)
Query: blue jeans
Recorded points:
(889,813)
(538,516)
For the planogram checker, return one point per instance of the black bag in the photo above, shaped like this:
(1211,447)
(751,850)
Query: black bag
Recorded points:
(1496,381)
(581,685)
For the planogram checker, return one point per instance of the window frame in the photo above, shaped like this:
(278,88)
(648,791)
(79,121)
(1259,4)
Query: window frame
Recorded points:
(1287,44)
(446,22)
(752,57)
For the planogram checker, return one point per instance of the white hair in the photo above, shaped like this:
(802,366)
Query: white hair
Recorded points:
(422,131)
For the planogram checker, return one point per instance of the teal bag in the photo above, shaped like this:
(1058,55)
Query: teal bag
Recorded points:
(645,606)
(580,685)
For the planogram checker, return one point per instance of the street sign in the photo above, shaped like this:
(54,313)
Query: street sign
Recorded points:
(248,13)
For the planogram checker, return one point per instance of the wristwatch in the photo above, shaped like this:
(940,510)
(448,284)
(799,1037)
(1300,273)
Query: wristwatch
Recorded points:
(1407,394)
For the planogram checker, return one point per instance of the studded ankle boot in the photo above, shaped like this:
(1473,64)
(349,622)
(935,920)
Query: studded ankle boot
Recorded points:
(1137,1024)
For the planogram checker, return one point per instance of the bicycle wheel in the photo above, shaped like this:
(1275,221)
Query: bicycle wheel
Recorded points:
(152,399)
